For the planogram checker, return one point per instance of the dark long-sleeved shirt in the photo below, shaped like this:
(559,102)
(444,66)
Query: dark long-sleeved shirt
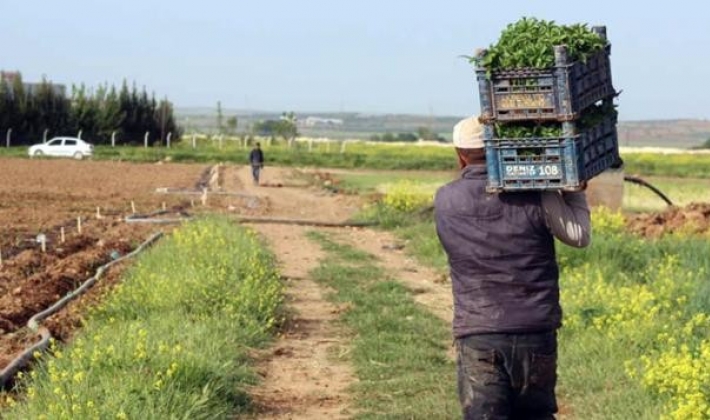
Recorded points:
(502,255)
(256,157)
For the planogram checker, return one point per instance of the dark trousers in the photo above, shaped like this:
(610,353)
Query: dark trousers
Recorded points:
(507,376)
(255,170)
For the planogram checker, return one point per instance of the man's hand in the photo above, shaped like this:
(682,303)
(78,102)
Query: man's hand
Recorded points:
(618,164)
(571,190)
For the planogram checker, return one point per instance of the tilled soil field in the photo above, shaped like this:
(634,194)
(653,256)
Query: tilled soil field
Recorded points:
(46,197)
(691,219)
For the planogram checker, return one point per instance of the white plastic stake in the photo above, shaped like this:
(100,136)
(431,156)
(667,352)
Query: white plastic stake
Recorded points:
(98,212)
(61,234)
(78,224)
(133,207)
(43,244)
(204,196)
(163,205)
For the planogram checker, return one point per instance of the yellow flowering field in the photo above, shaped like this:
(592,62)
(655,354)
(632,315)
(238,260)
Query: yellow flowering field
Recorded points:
(641,305)
(171,341)
(407,196)
(636,337)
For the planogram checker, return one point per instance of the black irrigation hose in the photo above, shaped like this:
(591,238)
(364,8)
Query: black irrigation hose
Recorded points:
(639,181)
(34,323)
(148,218)
(25,357)
(195,192)
(303,222)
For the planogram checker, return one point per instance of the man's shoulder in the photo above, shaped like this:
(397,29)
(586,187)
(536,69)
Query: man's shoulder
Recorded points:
(447,190)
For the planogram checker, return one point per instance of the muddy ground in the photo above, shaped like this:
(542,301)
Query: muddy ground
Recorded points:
(693,219)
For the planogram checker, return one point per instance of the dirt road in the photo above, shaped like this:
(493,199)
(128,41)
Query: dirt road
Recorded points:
(302,376)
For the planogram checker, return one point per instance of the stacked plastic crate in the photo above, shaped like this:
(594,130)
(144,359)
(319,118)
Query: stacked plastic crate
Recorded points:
(557,95)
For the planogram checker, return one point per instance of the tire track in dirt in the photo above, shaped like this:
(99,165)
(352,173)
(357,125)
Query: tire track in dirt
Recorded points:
(429,288)
(301,376)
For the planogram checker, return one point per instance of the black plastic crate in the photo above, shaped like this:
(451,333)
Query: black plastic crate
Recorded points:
(555,163)
(559,93)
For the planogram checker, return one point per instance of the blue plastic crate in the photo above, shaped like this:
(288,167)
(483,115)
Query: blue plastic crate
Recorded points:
(556,163)
(559,93)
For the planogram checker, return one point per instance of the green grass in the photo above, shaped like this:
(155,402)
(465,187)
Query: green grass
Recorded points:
(172,341)
(592,383)
(355,156)
(670,165)
(13,152)
(368,182)
(423,242)
(398,348)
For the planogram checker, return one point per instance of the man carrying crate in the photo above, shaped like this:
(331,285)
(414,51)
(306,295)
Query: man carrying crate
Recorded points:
(504,273)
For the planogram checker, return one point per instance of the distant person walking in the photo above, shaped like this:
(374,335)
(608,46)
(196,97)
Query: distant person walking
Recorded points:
(256,158)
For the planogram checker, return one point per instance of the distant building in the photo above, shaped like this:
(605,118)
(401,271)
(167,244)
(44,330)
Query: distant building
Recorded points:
(320,122)
(31,88)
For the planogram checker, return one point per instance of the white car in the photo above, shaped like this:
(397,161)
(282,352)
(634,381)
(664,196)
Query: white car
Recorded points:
(63,147)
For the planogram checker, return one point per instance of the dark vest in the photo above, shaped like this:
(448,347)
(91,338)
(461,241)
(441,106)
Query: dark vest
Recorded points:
(502,258)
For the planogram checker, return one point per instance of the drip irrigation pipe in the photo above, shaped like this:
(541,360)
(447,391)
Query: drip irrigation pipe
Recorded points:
(149,218)
(132,219)
(34,323)
(303,222)
(193,192)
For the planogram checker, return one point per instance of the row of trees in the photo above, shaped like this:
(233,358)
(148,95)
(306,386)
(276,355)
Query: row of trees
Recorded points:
(423,133)
(32,110)
(285,127)
(230,127)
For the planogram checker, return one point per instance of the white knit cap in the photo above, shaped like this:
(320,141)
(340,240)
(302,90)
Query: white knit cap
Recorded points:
(468,134)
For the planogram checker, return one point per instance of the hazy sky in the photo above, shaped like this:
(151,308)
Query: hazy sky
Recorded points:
(387,56)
